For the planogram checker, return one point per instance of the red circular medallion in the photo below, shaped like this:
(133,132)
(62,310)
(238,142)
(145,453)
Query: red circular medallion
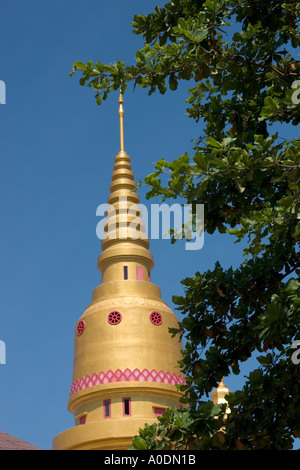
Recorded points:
(114,318)
(80,327)
(156,318)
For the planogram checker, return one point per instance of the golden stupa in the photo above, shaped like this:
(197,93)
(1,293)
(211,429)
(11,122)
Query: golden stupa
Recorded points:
(125,367)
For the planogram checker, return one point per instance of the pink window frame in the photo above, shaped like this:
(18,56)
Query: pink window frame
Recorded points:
(104,408)
(123,400)
(139,273)
(82,420)
(158,411)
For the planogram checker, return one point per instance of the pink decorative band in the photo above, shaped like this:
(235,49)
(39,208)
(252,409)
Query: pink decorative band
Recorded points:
(126,376)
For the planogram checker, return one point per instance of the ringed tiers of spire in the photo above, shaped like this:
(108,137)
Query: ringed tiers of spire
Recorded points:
(125,238)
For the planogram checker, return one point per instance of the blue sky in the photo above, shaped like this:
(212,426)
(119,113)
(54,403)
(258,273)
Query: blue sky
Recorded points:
(57,151)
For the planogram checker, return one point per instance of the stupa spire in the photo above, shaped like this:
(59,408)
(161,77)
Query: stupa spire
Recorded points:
(125,240)
(121,116)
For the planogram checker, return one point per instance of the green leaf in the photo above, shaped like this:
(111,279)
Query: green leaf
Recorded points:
(293,286)
(215,410)
(201,161)
(139,443)
(255,376)
(173,82)
(199,34)
(235,368)
(79,66)
(270,107)
(239,184)
(265,360)
(211,142)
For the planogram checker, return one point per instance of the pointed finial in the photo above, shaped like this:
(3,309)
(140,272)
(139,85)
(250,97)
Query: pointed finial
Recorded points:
(121,115)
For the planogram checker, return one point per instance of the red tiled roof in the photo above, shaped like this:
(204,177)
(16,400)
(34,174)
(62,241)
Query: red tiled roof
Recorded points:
(8,442)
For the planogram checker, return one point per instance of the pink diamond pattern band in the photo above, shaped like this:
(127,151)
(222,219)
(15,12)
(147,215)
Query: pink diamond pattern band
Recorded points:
(126,376)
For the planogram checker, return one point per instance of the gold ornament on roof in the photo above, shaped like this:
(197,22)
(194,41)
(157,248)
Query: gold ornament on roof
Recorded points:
(219,393)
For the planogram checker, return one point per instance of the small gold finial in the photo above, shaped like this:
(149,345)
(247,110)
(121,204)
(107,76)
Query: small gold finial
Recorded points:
(219,393)
(121,115)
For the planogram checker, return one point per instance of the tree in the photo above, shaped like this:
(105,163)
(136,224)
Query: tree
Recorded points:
(239,56)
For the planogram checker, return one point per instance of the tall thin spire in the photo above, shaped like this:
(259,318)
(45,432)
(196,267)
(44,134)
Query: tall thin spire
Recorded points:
(125,236)
(121,116)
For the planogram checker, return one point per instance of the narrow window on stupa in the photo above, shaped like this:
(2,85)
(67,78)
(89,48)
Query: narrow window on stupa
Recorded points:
(149,276)
(126,406)
(125,269)
(82,419)
(139,273)
(158,411)
(106,408)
